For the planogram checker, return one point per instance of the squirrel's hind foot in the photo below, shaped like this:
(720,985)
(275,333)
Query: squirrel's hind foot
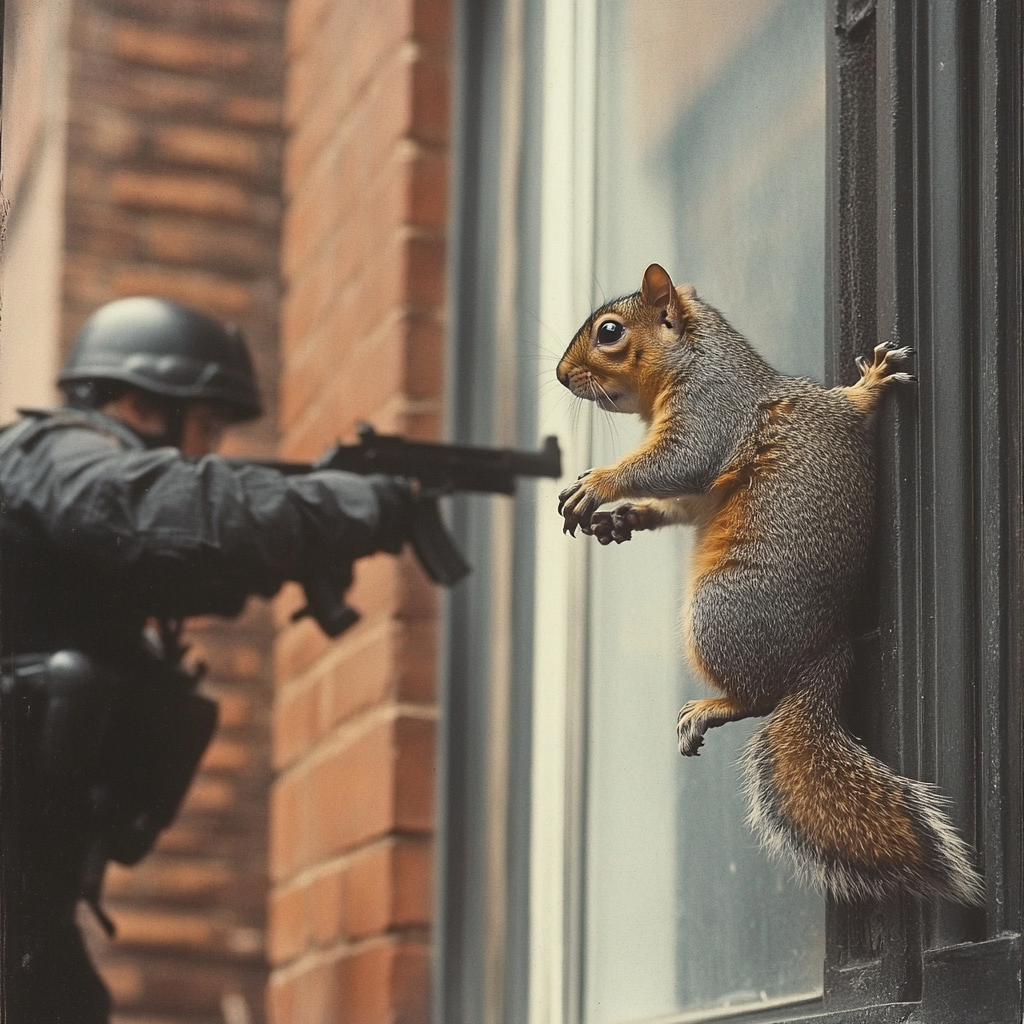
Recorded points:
(887,356)
(877,374)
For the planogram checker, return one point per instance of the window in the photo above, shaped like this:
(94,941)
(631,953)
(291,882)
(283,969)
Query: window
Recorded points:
(829,173)
(709,157)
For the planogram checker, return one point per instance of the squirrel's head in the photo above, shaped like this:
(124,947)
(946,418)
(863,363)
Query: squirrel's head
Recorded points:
(621,356)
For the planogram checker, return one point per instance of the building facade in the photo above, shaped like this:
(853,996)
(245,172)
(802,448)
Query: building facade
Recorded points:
(469,808)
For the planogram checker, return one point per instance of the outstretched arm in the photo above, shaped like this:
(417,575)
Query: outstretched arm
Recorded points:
(192,536)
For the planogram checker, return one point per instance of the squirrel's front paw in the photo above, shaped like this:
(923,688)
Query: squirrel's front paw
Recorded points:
(690,729)
(617,525)
(579,501)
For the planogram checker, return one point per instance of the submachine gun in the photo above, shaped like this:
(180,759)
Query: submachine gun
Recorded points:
(438,469)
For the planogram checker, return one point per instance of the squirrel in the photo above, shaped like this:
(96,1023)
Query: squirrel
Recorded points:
(777,474)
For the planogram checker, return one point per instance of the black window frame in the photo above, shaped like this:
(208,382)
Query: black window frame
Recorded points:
(924,121)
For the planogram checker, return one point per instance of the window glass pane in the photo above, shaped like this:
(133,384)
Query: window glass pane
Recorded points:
(709,160)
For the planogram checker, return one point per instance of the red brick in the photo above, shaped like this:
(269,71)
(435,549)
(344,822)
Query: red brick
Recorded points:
(431,101)
(363,334)
(98,131)
(240,250)
(155,94)
(324,998)
(382,118)
(283,1000)
(415,781)
(425,357)
(388,887)
(327,907)
(161,998)
(266,112)
(299,646)
(373,369)
(199,195)
(214,148)
(97,230)
(428,189)
(365,983)
(302,17)
(230,300)
(413,884)
(385,983)
(308,71)
(225,755)
(178,51)
(418,662)
(433,21)
(368,892)
(234,710)
(385,585)
(410,984)
(340,199)
(225,14)
(320,205)
(306,303)
(351,793)
(170,880)
(287,924)
(425,267)
(85,280)
(125,982)
(210,795)
(360,679)
(387,118)
(199,932)
(288,840)
(369,37)
(295,723)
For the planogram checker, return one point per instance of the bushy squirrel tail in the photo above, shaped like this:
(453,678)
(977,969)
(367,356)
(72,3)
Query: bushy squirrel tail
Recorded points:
(853,827)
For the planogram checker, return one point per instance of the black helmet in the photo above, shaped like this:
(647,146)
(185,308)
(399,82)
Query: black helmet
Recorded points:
(164,348)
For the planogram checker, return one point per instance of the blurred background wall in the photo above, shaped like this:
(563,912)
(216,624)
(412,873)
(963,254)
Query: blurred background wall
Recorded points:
(362,338)
(283,166)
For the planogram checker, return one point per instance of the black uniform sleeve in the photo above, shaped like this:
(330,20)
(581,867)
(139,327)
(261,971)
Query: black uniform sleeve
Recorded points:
(196,534)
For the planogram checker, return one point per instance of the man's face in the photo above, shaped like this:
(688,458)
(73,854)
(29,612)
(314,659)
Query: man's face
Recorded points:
(202,429)
(203,424)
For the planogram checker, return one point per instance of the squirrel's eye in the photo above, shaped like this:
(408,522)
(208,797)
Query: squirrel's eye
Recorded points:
(609,332)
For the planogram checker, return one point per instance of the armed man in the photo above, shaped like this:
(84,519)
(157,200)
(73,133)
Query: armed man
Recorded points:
(117,523)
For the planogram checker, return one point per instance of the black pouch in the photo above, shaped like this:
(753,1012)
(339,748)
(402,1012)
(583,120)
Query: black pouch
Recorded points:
(155,737)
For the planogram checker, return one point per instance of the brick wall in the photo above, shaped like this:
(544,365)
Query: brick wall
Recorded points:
(173,189)
(365,179)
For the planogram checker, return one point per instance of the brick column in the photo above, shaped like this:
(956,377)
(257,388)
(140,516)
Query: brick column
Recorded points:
(362,339)
(173,189)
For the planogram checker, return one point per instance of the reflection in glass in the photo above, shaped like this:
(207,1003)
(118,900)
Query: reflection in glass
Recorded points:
(709,160)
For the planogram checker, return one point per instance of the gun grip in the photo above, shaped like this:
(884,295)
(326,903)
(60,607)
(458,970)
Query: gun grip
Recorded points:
(332,615)
(433,544)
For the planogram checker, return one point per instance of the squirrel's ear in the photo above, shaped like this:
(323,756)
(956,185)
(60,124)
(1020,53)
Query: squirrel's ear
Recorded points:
(656,289)
(686,292)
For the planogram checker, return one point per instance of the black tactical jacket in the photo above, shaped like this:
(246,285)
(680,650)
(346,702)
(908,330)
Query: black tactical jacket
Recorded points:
(97,532)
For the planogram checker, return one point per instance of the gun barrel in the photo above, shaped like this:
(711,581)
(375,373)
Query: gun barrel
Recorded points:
(446,466)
